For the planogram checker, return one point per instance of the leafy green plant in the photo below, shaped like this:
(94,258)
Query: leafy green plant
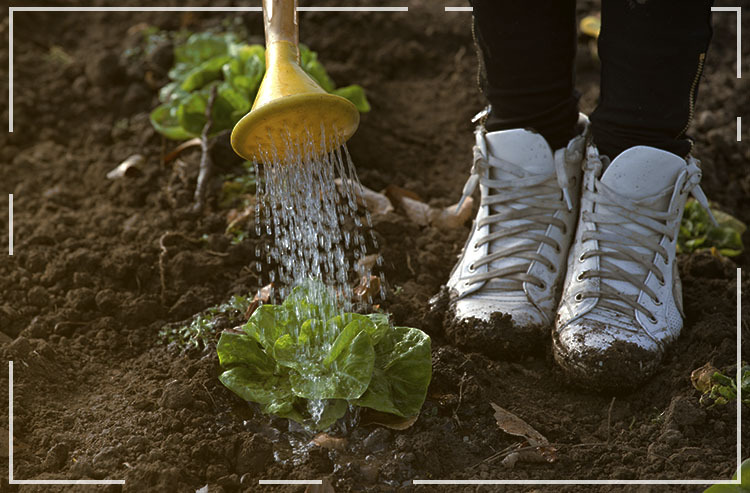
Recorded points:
(744,487)
(202,327)
(306,361)
(698,233)
(719,389)
(207,60)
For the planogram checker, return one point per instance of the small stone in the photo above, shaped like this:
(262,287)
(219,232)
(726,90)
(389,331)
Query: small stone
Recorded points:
(255,453)
(106,300)
(38,296)
(176,396)
(670,437)
(684,411)
(108,458)
(56,458)
(82,468)
(375,441)
(81,299)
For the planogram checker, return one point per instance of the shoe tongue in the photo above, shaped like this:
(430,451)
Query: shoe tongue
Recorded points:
(642,173)
(646,175)
(523,148)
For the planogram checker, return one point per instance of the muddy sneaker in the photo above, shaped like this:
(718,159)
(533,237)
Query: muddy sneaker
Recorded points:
(513,262)
(622,297)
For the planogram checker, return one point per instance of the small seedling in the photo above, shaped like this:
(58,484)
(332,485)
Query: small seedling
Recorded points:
(697,233)
(307,361)
(719,389)
(208,61)
(201,330)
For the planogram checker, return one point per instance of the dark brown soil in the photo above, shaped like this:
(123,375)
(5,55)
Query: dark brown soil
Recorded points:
(98,394)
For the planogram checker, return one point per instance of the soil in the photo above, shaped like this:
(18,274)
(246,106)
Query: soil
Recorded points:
(98,394)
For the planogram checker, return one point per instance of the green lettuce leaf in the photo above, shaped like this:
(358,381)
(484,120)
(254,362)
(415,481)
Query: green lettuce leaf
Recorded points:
(403,369)
(355,94)
(307,361)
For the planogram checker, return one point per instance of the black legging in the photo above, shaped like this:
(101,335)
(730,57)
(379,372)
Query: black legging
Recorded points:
(652,54)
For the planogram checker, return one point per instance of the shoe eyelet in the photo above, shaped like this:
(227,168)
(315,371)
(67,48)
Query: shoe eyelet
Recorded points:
(552,268)
(542,285)
(580,257)
(471,268)
(657,302)
(579,277)
(578,297)
(652,319)
(661,282)
(476,246)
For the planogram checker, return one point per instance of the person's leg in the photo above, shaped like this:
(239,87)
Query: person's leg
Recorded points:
(527,50)
(527,166)
(652,55)
(621,305)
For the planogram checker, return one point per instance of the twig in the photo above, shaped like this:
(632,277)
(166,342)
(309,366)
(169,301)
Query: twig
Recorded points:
(206,162)
(609,418)
(460,399)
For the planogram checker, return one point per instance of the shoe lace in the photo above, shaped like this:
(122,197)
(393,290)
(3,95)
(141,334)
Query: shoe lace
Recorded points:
(616,242)
(529,201)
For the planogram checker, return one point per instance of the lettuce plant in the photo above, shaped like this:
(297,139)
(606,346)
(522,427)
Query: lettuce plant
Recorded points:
(307,361)
(698,233)
(236,69)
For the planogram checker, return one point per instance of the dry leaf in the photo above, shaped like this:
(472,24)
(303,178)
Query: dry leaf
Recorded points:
(419,212)
(262,296)
(702,378)
(327,441)
(370,417)
(325,487)
(513,425)
(177,150)
(130,167)
(449,218)
(367,263)
(369,287)
(375,202)
(396,193)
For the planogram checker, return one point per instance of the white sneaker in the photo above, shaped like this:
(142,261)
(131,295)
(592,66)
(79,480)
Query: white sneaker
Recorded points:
(622,299)
(513,262)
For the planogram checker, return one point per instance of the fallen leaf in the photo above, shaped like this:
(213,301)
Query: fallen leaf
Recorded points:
(375,202)
(396,193)
(177,150)
(450,218)
(262,296)
(370,417)
(419,212)
(513,425)
(327,441)
(130,167)
(367,263)
(368,288)
(702,378)
(325,487)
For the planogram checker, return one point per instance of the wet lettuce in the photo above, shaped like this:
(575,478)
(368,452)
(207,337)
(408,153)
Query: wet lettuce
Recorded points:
(306,361)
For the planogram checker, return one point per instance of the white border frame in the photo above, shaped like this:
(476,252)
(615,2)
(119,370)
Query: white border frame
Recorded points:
(11,10)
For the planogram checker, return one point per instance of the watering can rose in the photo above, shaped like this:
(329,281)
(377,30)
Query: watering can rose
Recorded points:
(304,361)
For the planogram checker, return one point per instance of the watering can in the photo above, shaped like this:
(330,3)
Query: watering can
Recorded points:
(290,108)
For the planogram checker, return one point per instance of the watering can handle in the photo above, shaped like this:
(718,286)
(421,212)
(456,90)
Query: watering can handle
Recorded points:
(281,24)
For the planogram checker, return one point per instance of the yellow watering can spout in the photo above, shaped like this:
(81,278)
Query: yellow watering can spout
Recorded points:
(290,108)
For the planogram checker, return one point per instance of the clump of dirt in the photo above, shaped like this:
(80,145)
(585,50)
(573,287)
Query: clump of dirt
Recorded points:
(97,392)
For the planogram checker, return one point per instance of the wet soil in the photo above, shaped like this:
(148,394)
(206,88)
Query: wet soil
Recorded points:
(98,394)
